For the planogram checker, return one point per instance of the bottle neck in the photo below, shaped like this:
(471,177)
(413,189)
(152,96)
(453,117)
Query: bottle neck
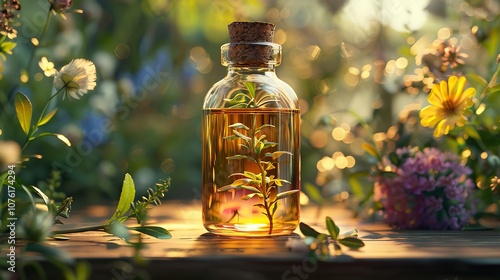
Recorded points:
(268,69)
(251,56)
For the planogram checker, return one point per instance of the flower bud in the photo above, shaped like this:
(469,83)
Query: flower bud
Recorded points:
(60,5)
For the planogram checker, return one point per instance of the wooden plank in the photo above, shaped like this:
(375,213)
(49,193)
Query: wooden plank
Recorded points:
(193,253)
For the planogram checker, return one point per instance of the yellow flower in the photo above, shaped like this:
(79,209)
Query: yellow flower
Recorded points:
(448,105)
(76,78)
(47,67)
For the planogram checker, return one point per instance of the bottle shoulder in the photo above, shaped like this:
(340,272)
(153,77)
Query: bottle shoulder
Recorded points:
(251,91)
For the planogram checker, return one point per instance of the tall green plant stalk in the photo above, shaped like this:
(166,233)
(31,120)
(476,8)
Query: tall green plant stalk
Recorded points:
(38,42)
(260,185)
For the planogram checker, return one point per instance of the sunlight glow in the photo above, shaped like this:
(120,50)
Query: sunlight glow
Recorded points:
(400,15)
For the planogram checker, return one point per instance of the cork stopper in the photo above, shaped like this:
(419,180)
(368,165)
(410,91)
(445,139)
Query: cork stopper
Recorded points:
(251,44)
(250,32)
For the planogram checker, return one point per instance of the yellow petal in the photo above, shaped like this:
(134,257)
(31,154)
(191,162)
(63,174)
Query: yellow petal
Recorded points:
(443,89)
(461,121)
(442,128)
(430,110)
(430,116)
(452,84)
(438,131)
(435,99)
(469,93)
(429,121)
(456,94)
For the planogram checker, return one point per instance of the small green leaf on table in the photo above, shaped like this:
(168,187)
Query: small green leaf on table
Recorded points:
(126,198)
(154,231)
(308,231)
(351,242)
(333,229)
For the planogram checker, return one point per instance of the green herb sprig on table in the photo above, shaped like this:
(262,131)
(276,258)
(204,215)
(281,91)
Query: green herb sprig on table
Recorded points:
(319,243)
(128,209)
(37,225)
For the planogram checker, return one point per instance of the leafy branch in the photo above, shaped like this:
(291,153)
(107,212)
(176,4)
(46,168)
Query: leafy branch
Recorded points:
(319,243)
(37,225)
(250,98)
(141,207)
(24,113)
(127,209)
(255,143)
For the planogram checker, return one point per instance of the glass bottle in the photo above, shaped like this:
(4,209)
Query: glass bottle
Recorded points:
(251,140)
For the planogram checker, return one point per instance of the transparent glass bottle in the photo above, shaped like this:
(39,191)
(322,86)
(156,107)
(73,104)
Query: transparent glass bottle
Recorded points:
(251,140)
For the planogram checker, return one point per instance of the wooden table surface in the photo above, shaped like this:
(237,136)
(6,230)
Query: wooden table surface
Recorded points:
(192,253)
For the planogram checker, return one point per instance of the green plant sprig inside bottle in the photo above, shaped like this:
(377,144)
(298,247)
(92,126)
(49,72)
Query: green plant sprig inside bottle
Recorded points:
(250,140)
(256,145)
(250,99)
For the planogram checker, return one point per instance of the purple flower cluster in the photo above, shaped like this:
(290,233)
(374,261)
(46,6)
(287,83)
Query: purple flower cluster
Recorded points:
(425,189)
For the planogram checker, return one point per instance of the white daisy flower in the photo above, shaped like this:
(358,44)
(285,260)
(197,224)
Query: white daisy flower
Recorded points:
(77,77)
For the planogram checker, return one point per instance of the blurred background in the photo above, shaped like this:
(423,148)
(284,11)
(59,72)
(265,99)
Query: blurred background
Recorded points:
(350,62)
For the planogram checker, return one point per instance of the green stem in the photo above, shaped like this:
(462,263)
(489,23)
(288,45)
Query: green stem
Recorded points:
(45,28)
(48,102)
(492,81)
(263,177)
(490,84)
(80,229)
(264,194)
(35,128)
(72,230)
(30,66)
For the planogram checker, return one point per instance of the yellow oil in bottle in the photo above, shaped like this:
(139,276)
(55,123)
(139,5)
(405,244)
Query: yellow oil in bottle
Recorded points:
(228,157)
